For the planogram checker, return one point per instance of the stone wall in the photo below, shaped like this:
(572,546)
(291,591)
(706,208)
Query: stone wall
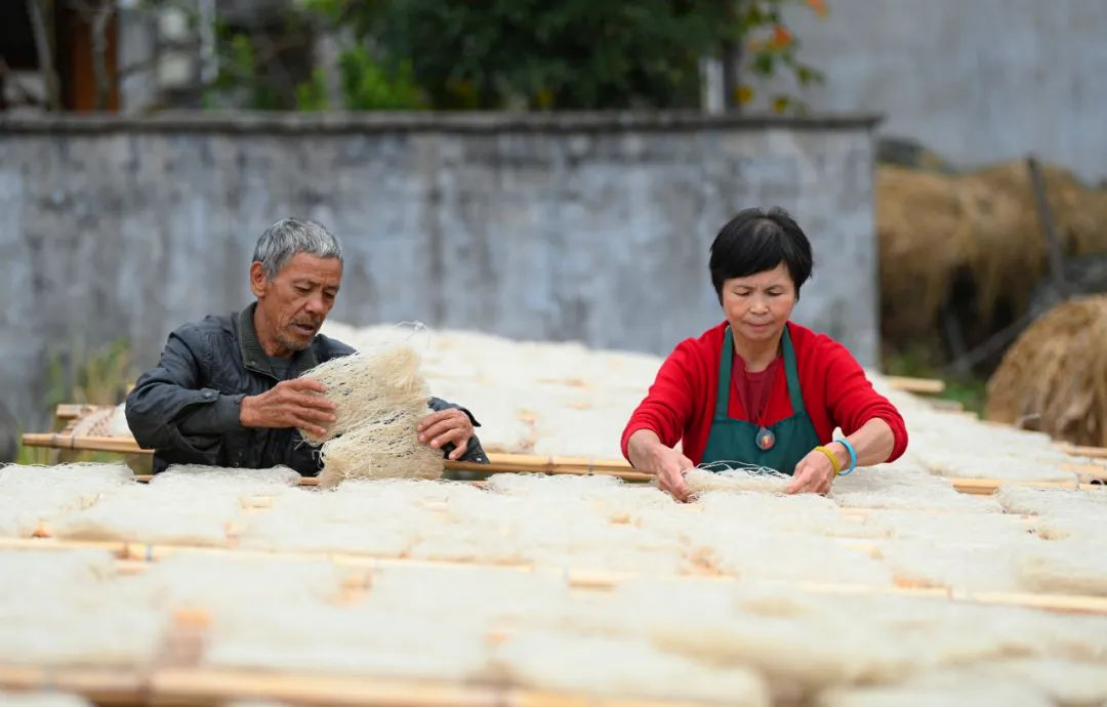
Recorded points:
(593,226)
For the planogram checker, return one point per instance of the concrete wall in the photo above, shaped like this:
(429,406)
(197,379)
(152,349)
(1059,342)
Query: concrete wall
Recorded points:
(590,227)
(979,81)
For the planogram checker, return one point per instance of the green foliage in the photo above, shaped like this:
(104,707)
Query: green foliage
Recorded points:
(773,49)
(517,54)
(574,54)
(312,95)
(102,377)
(239,81)
(367,85)
(924,362)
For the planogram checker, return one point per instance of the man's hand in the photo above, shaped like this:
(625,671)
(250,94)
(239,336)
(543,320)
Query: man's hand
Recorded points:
(290,404)
(814,473)
(450,425)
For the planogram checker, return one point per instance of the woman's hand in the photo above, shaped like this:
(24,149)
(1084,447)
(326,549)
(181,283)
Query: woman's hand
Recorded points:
(814,474)
(648,454)
(670,467)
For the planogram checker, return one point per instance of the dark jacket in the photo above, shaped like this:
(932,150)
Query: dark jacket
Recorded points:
(187,408)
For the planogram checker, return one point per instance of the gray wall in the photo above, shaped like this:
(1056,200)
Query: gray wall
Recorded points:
(980,81)
(590,227)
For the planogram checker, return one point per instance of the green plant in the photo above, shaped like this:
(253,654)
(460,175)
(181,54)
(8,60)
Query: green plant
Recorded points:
(100,377)
(513,54)
(924,362)
(773,47)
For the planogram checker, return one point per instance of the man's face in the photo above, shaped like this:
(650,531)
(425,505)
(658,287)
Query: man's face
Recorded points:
(295,302)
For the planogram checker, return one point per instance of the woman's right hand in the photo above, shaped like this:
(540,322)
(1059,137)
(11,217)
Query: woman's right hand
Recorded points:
(648,454)
(671,467)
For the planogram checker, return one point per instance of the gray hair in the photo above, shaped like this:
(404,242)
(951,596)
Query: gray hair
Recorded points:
(288,237)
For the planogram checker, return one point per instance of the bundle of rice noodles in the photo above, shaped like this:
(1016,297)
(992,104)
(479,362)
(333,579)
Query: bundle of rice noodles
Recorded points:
(735,477)
(31,496)
(379,398)
(68,611)
(228,482)
(174,514)
(624,667)
(41,699)
(351,639)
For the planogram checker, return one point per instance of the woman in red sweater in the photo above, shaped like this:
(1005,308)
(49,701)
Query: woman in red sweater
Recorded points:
(757,388)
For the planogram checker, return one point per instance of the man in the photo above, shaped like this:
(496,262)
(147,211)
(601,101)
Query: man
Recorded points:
(228,391)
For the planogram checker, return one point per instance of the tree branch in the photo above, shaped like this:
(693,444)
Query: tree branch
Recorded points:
(24,96)
(45,48)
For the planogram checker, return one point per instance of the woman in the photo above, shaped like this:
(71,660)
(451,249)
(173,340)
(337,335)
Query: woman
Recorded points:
(757,388)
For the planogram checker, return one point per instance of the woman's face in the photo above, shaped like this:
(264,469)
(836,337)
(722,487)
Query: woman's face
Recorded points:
(757,306)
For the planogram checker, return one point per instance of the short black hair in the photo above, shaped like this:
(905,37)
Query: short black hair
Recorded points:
(756,240)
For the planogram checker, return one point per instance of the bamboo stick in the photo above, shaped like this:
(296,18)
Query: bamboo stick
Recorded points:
(583,578)
(208,686)
(62,441)
(69,411)
(215,686)
(985,487)
(531,698)
(528,463)
(118,548)
(503,462)
(915,385)
(1081,604)
(106,686)
(1084,451)
(1089,474)
(509,462)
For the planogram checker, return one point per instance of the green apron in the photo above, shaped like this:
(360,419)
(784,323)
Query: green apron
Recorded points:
(788,440)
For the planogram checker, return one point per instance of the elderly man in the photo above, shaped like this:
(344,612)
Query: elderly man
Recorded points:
(228,390)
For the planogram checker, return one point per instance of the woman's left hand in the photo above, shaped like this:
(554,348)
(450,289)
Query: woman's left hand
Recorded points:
(814,474)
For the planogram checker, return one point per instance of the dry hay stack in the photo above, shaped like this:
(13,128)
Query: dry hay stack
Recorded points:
(931,226)
(1057,370)
(925,231)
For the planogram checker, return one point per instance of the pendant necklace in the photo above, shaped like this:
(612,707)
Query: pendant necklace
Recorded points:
(765,438)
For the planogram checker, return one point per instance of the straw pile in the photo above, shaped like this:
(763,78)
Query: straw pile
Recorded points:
(932,227)
(1055,375)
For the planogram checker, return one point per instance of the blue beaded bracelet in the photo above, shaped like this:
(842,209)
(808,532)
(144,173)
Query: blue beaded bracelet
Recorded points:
(852,455)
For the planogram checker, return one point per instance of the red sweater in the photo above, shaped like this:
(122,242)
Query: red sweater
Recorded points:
(681,402)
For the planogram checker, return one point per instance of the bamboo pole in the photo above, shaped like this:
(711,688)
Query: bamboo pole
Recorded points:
(1084,451)
(915,385)
(1079,604)
(105,686)
(986,487)
(502,462)
(69,411)
(517,462)
(62,441)
(214,686)
(509,462)
(582,578)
